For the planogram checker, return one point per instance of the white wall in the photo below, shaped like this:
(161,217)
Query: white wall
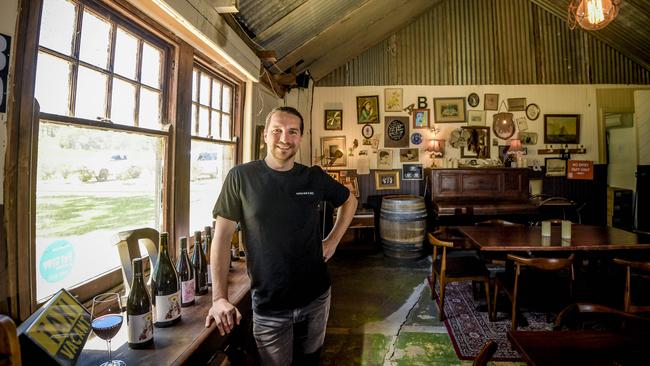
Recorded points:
(301,99)
(622,158)
(262,102)
(642,123)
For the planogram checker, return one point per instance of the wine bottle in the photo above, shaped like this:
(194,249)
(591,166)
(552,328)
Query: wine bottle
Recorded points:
(200,266)
(186,275)
(206,248)
(165,291)
(234,246)
(139,318)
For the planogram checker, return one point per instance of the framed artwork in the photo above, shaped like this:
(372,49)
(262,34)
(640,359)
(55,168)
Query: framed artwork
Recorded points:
(412,172)
(333,119)
(335,175)
(368,109)
(367,131)
(409,155)
(449,109)
(473,100)
(396,132)
(352,184)
(522,125)
(532,111)
(491,102)
(333,151)
(478,143)
(260,145)
(555,167)
(561,128)
(528,138)
(385,159)
(476,118)
(420,118)
(503,152)
(387,180)
(393,99)
(516,104)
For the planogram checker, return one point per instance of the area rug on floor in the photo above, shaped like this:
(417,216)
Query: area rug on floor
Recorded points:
(469,328)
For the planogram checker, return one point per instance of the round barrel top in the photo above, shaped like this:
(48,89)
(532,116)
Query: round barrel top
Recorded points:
(403,197)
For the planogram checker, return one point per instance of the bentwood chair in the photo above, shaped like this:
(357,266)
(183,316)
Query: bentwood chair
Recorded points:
(534,276)
(640,269)
(588,316)
(454,269)
(9,346)
(486,353)
(127,243)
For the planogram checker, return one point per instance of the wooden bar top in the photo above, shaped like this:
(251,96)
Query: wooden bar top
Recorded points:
(175,345)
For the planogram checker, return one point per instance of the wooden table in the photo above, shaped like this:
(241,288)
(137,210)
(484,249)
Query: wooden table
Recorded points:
(576,348)
(188,342)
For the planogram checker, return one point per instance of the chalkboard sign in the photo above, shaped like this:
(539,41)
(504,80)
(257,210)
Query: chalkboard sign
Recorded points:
(55,333)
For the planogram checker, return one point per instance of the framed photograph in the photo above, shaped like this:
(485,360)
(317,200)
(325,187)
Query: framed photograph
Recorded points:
(516,104)
(409,155)
(335,175)
(473,100)
(386,179)
(333,119)
(478,143)
(449,109)
(491,102)
(333,151)
(412,172)
(367,131)
(555,167)
(476,118)
(532,111)
(420,118)
(503,152)
(385,159)
(352,184)
(396,132)
(393,99)
(368,109)
(522,124)
(260,145)
(561,128)
(528,138)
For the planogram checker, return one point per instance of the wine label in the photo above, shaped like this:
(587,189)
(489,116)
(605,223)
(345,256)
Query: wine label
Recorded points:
(140,327)
(209,275)
(168,307)
(187,291)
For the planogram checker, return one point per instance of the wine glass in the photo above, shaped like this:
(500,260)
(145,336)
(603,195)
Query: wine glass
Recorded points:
(106,320)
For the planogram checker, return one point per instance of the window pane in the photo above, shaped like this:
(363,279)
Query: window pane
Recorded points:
(216,94)
(95,33)
(226,133)
(126,53)
(204,91)
(53,84)
(216,131)
(193,123)
(149,109)
(58,25)
(210,164)
(91,94)
(91,184)
(195,86)
(226,99)
(123,102)
(204,120)
(151,59)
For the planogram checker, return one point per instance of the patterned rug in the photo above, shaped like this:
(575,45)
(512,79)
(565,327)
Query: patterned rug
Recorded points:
(469,328)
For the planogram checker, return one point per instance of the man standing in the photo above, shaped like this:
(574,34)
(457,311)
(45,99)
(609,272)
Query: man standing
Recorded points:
(276,202)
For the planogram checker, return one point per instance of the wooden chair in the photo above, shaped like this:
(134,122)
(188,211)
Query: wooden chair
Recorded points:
(466,268)
(587,316)
(9,346)
(643,270)
(127,243)
(511,286)
(486,353)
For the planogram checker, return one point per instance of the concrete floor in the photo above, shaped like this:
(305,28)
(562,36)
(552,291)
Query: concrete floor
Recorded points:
(382,314)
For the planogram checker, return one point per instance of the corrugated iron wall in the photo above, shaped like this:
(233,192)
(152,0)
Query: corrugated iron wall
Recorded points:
(472,42)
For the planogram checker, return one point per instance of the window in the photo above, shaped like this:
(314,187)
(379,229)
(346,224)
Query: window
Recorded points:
(213,149)
(101,148)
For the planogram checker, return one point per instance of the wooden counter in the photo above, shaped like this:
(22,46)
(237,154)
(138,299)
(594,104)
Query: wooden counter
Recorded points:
(188,342)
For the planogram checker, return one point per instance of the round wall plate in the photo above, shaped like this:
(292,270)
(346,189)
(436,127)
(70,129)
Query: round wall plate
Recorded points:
(416,138)
(367,131)
(532,111)
(473,100)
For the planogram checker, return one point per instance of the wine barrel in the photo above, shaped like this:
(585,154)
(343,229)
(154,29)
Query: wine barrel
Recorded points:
(402,225)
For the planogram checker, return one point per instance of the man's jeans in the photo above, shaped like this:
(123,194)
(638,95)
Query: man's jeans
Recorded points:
(282,336)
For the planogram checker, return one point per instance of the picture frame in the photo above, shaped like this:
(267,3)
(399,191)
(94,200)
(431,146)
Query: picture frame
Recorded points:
(561,128)
(475,118)
(396,131)
(532,111)
(490,102)
(385,159)
(333,151)
(449,109)
(409,155)
(516,104)
(478,143)
(412,172)
(420,118)
(367,109)
(335,175)
(352,184)
(503,152)
(333,119)
(387,179)
(473,100)
(555,167)
(522,124)
(393,99)
(528,138)
(367,131)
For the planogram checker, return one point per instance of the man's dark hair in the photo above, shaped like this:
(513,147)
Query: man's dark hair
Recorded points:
(285,109)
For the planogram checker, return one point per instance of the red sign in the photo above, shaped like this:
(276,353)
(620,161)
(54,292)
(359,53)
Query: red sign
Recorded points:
(580,169)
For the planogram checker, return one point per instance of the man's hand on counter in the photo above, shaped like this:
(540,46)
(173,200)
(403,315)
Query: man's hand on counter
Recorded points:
(225,316)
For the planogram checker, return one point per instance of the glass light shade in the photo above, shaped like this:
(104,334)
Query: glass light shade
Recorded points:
(436,147)
(515,145)
(593,14)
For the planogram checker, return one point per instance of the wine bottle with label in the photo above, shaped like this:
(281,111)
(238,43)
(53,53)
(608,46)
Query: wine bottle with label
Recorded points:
(206,248)
(185,275)
(200,266)
(165,289)
(139,318)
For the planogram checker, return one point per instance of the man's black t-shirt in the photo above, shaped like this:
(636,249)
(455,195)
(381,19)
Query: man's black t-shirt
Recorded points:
(278,212)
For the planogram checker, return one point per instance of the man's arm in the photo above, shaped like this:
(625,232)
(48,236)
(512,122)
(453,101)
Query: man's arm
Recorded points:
(343,218)
(225,315)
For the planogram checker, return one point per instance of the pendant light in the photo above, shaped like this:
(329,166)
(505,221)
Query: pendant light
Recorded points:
(592,14)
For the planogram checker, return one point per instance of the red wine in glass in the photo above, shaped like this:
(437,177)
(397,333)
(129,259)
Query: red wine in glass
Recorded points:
(106,320)
(107,326)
